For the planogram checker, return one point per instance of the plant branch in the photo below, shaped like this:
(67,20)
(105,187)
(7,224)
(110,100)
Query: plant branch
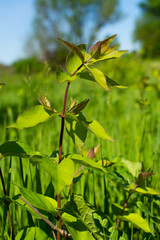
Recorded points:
(125,205)
(80,67)
(7,206)
(62,232)
(62,122)
(60,148)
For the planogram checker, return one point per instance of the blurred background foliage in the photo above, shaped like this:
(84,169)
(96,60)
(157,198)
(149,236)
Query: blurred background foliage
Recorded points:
(147,28)
(74,21)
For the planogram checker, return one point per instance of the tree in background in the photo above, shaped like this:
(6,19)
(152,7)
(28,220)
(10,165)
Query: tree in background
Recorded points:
(75,21)
(148,28)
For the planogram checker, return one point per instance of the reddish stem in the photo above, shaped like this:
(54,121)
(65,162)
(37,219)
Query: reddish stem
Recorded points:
(60,149)
(62,122)
(125,205)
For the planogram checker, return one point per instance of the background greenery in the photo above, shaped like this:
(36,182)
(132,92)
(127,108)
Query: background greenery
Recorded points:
(131,116)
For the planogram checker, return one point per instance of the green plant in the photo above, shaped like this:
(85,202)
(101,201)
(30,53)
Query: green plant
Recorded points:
(79,219)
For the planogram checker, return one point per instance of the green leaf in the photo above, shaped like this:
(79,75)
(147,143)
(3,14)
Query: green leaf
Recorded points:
(74,63)
(133,167)
(39,201)
(101,47)
(62,76)
(99,131)
(84,212)
(62,174)
(73,48)
(137,220)
(111,54)
(86,76)
(83,160)
(114,233)
(2,85)
(112,83)
(32,233)
(92,126)
(146,190)
(77,108)
(44,101)
(76,131)
(77,229)
(24,206)
(143,208)
(18,149)
(33,116)
(98,76)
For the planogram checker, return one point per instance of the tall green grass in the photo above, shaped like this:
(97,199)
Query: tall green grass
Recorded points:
(131,116)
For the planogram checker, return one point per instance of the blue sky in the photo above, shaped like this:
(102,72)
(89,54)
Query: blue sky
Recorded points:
(16,18)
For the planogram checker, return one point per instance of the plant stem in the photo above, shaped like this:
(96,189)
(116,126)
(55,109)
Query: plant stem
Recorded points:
(62,232)
(125,205)
(80,67)
(62,122)
(7,206)
(60,149)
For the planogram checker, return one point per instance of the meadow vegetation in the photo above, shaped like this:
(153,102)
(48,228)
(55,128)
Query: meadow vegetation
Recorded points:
(131,117)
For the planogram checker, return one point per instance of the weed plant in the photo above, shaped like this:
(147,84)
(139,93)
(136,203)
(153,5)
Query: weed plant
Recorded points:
(87,190)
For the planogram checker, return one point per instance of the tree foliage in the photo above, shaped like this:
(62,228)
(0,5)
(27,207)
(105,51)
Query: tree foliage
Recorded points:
(76,21)
(147,28)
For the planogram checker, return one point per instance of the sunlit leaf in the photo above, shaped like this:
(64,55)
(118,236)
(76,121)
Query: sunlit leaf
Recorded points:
(92,126)
(39,201)
(24,206)
(133,167)
(77,207)
(86,161)
(113,233)
(99,77)
(32,233)
(112,54)
(137,220)
(100,47)
(112,83)
(146,190)
(73,48)
(77,229)
(99,131)
(76,131)
(74,63)
(62,174)
(33,116)
(62,76)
